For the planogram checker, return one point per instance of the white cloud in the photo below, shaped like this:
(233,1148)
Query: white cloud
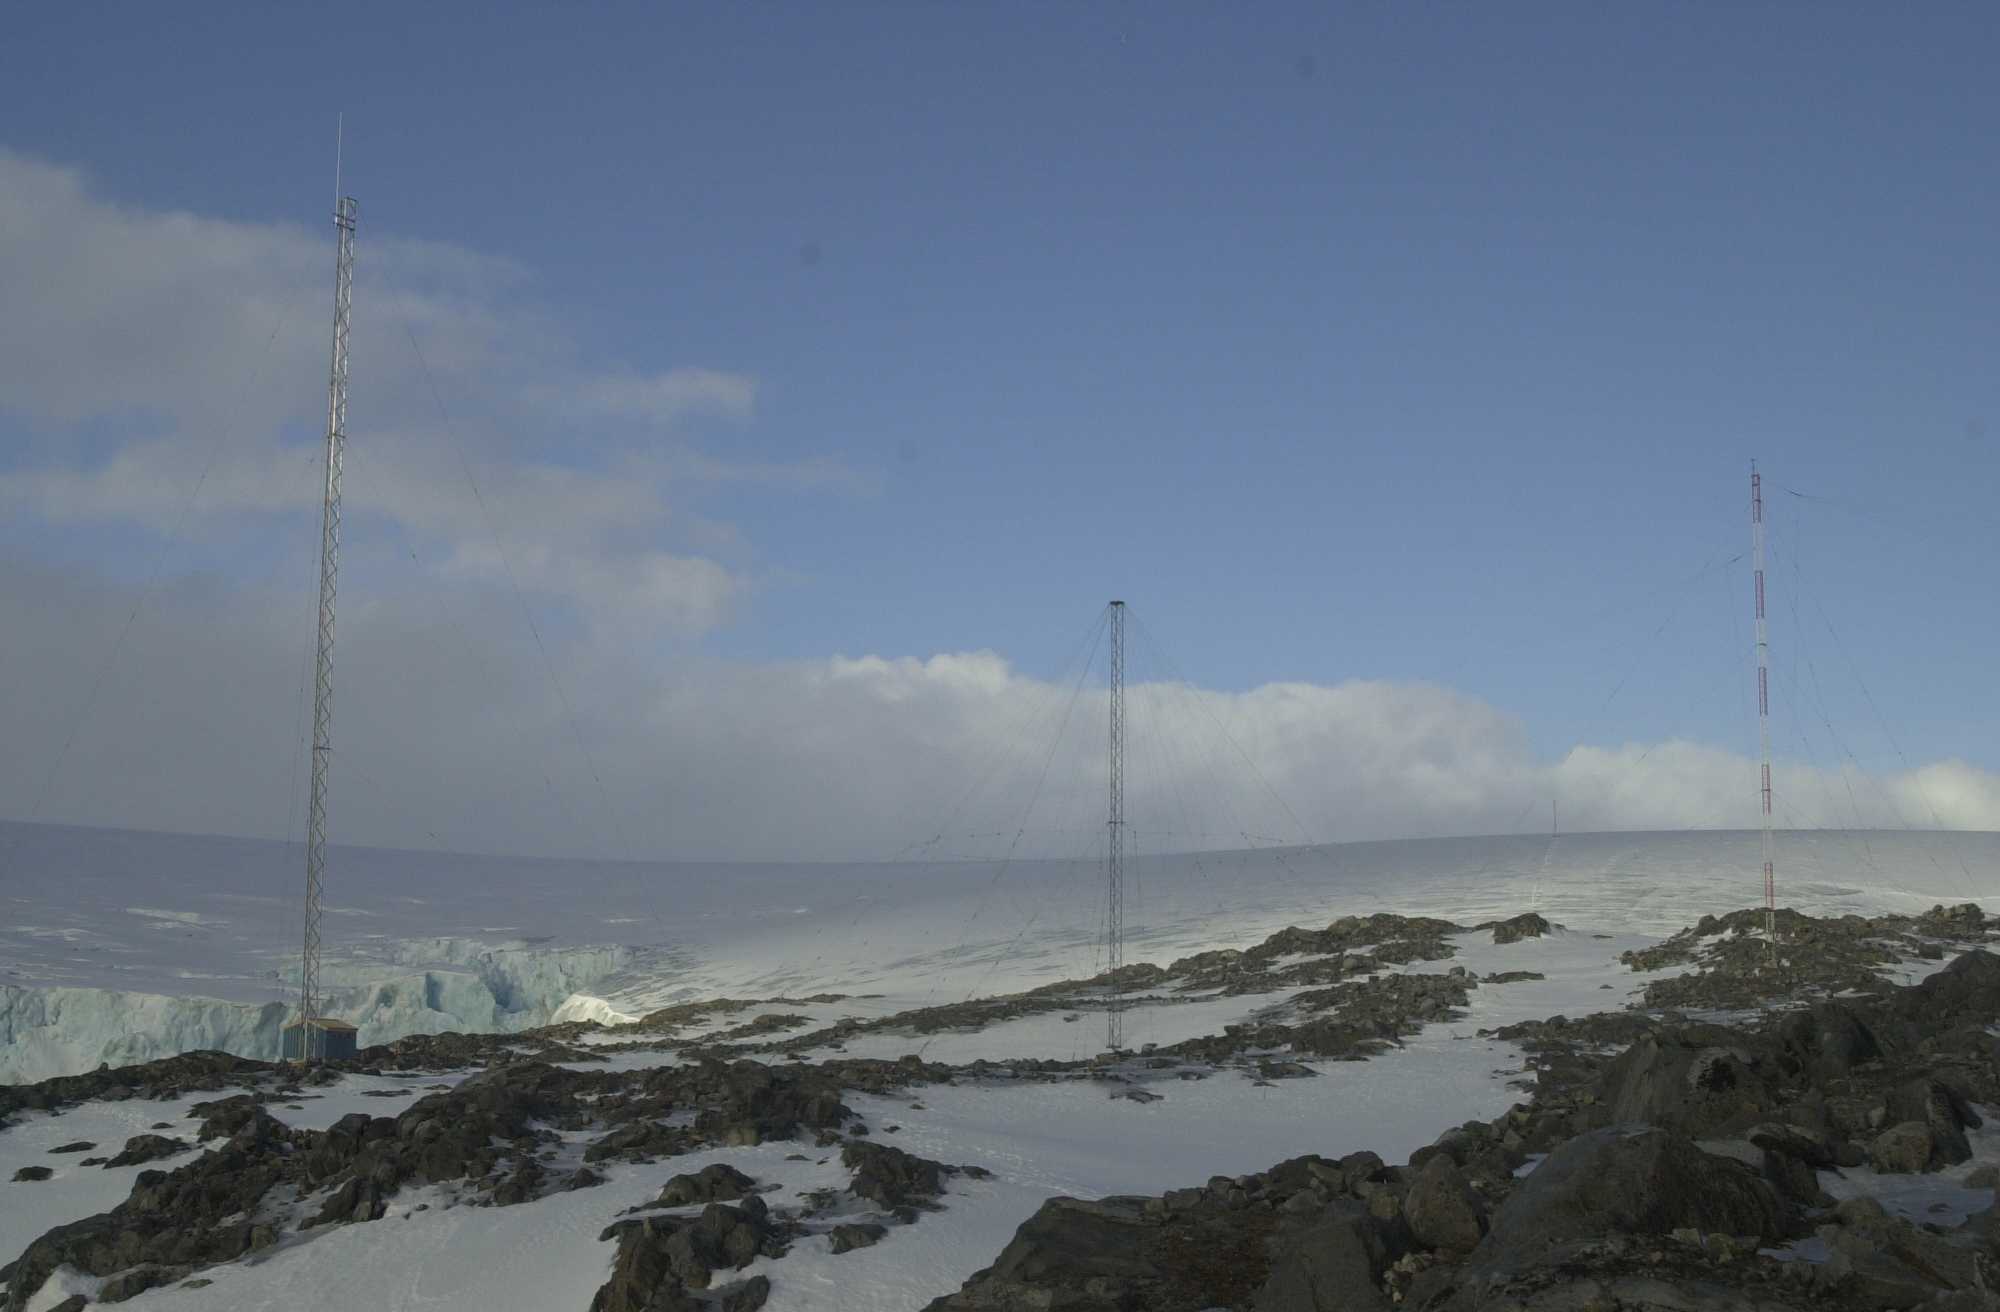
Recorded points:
(661,399)
(148,327)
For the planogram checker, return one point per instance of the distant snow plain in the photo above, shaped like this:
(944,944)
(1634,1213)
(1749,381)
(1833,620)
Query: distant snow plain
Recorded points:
(113,938)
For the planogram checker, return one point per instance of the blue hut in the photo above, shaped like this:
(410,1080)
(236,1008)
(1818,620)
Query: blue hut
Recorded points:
(319,1039)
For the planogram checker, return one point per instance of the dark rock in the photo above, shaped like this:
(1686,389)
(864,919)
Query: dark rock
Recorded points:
(135,1282)
(1442,1210)
(356,1200)
(1631,1179)
(847,1238)
(146,1148)
(660,1258)
(1943,1110)
(1867,1232)
(1070,1242)
(1336,1266)
(748,1296)
(1359,1168)
(1858,1272)
(1967,989)
(720,1182)
(1793,1179)
(1525,925)
(1805,1145)
(890,1177)
(640,1140)
(28,1173)
(170,1077)
(1829,1040)
(1686,1088)
(1903,1148)
(80,1146)
(642,1276)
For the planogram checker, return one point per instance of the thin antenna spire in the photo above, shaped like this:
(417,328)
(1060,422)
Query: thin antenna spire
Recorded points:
(339,144)
(1763,696)
(312,1040)
(1114,866)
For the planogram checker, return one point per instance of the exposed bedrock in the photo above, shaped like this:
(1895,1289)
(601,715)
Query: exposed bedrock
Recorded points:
(1673,1159)
(487,1140)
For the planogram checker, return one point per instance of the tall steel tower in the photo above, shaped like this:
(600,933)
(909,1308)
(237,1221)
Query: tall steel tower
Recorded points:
(1114,863)
(1763,695)
(312,1036)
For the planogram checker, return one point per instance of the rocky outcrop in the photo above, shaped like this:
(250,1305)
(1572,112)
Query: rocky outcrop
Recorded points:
(172,1223)
(486,1138)
(718,1183)
(147,1148)
(1630,1180)
(1525,925)
(661,1258)
(1677,1151)
(170,1077)
(893,1180)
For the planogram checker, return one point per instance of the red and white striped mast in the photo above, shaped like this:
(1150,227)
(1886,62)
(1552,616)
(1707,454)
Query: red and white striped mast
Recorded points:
(1763,695)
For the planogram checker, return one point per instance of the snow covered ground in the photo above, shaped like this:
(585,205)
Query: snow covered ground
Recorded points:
(127,922)
(120,945)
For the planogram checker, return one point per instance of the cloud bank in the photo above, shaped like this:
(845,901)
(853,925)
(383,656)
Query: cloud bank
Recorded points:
(456,735)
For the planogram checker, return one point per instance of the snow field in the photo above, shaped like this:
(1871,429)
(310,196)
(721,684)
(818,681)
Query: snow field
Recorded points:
(535,937)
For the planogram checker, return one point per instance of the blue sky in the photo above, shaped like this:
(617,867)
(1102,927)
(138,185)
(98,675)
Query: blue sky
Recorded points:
(1395,343)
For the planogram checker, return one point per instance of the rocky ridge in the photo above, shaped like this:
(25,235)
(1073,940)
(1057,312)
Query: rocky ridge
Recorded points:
(1681,1160)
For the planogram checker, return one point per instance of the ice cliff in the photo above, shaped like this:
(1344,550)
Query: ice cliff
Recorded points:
(412,987)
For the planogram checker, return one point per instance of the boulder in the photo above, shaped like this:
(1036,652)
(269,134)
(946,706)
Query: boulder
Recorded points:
(718,1183)
(1902,1148)
(1638,1180)
(660,1258)
(747,1296)
(135,1282)
(1359,1168)
(1969,987)
(638,1141)
(891,1178)
(1858,1272)
(847,1238)
(1070,1241)
(146,1148)
(1525,925)
(1829,1040)
(1944,1110)
(1678,1087)
(1336,1266)
(1442,1209)
(1795,1141)
(1641,1180)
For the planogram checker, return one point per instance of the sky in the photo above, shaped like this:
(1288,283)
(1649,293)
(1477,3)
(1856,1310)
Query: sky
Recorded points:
(753,408)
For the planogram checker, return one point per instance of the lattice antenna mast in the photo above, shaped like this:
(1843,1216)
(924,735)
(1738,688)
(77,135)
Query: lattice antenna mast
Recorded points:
(1114,862)
(1763,696)
(329,563)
